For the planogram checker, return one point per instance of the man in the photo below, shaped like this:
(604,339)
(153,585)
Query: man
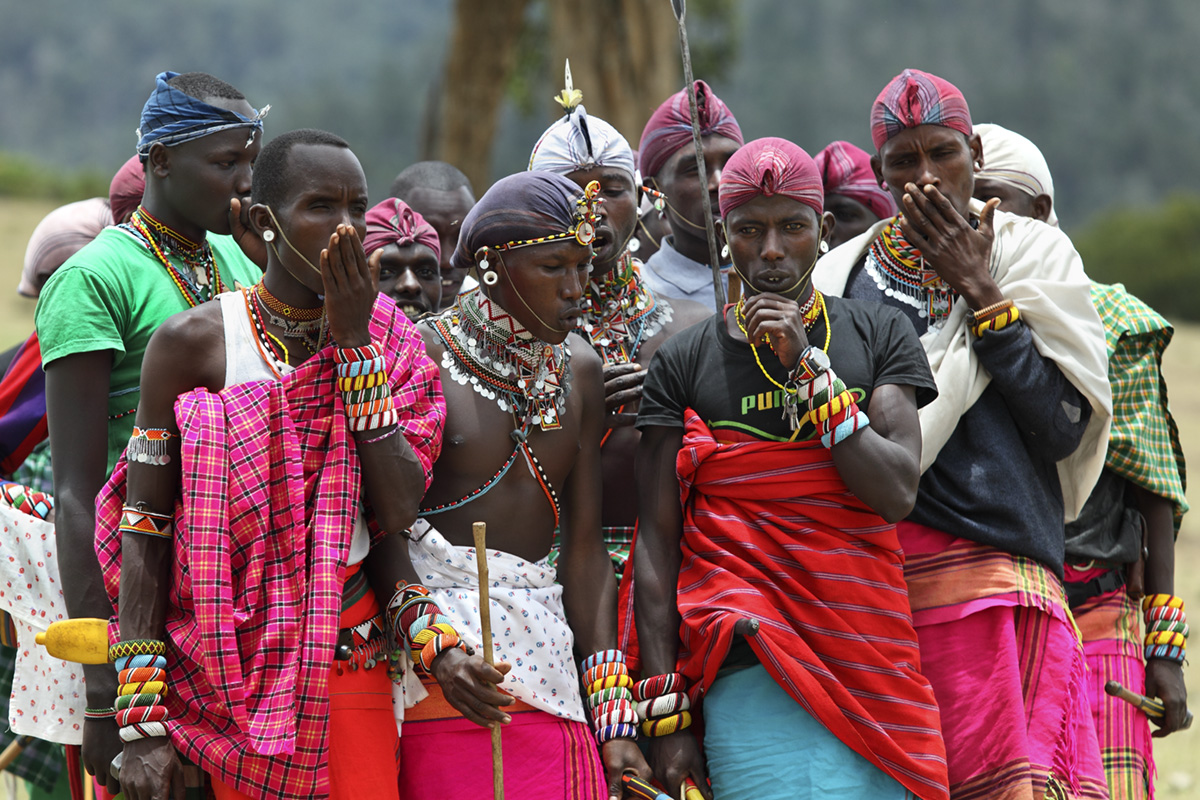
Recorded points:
(442,194)
(795,631)
(852,194)
(623,319)
(1140,489)
(667,159)
(265,591)
(1012,444)
(525,415)
(405,249)
(198,139)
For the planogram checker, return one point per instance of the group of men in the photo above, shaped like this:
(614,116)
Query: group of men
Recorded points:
(810,543)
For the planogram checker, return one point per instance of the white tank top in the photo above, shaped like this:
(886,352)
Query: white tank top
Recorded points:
(245,362)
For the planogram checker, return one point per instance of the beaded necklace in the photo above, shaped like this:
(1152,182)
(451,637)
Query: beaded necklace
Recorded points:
(619,313)
(201,280)
(812,309)
(270,347)
(311,331)
(489,349)
(900,271)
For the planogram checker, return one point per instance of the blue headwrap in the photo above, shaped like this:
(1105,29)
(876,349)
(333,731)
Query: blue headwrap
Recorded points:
(173,117)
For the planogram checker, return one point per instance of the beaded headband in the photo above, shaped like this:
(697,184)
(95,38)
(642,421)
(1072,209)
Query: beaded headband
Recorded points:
(583,230)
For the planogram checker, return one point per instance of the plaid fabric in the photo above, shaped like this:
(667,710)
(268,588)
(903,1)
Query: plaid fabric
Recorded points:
(263,526)
(40,762)
(1111,625)
(37,472)
(1144,442)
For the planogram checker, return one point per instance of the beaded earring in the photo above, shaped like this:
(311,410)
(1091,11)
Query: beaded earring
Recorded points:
(487,275)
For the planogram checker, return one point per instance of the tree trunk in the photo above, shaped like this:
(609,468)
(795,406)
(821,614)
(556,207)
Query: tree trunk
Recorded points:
(479,61)
(624,57)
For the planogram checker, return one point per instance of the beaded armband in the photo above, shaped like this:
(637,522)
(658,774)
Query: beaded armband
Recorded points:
(1166,627)
(149,446)
(609,699)
(146,523)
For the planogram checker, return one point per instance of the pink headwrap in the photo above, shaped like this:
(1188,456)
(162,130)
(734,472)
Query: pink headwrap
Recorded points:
(846,170)
(767,167)
(393,222)
(915,98)
(126,190)
(670,126)
(60,235)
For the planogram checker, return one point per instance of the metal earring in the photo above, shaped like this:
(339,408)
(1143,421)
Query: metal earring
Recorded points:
(634,245)
(268,235)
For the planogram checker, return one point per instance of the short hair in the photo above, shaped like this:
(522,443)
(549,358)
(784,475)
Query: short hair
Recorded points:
(201,85)
(269,184)
(437,175)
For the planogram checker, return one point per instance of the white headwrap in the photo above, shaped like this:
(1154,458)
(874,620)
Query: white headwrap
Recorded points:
(1012,159)
(577,142)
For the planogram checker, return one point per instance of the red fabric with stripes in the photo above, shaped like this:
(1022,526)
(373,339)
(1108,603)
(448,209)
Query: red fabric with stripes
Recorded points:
(823,575)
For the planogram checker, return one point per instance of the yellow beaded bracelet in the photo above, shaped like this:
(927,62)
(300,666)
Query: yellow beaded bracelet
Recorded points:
(611,682)
(665,726)
(150,687)
(1155,600)
(368,381)
(1169,638)
(998,322)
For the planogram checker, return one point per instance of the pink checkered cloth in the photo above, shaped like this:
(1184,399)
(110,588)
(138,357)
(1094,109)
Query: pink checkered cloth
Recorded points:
(271,488)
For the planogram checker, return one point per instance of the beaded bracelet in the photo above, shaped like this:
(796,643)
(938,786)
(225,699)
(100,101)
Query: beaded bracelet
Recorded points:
(604,671)
(129,700)
(610,732)
(603,696)
(137,647)
(845,430)
(663,706)
(140,660)
(998,322)
(1156,600)
(435,646)
(142,730)
(649,688)
(1166,653)
(145,687)
(665,726)
(352,355)
(602,657)
(622,681)
(146,523)
(624,715)
(367,380)
(99,713)
(993,308)
(1165,637)
(136,714)
(609,698)
(1165,614)
(1161,625)
(361,424)
(141,674)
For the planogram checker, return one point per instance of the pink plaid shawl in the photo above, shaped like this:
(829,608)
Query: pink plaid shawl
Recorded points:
(263,526)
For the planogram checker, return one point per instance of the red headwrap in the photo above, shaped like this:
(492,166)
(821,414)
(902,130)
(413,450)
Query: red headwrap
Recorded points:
(917,98)
(393,222)
(670,126)
(767,167)
(846,170)
(125,191)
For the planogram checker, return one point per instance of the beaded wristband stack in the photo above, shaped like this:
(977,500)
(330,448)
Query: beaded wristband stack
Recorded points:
(662,704)
(414,617)
(831,407)
(141,685)
(366,394)
(609,699)
(995,317)
(1166,627)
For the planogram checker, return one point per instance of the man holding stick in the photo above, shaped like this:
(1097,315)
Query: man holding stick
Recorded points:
(525,414)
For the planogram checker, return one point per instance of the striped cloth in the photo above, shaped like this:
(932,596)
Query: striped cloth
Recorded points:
(1111,625)
(771,532)
(271,489)
(1144,440)
(22,406)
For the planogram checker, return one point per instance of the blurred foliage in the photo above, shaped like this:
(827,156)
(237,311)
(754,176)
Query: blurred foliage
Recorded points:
(25,178)
(1152,251)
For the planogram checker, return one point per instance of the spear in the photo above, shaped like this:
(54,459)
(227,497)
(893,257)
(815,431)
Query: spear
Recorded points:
(680,9)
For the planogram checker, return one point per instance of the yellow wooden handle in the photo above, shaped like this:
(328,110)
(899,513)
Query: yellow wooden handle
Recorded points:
(84,641)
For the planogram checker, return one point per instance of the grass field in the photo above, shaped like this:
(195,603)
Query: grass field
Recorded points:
(1178,761)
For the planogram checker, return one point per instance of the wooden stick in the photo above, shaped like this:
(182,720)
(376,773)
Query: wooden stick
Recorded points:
(479,531)
(13,750)
(1151,708)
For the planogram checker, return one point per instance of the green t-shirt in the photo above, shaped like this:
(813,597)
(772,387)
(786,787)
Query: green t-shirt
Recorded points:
(112,295)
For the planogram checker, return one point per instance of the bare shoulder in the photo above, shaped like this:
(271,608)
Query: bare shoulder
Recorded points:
(188,350)
(586,365)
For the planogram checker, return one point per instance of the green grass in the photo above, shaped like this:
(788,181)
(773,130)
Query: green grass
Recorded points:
(1178,768)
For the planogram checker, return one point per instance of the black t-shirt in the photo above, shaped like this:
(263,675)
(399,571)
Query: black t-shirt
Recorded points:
(705,369)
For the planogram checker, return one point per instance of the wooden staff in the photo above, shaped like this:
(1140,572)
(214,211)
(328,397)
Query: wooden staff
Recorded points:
(13,750)
(1151,708)
(479,531)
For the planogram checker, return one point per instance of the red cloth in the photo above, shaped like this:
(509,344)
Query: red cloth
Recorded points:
(126,190)
(393,222)
(846,170)
(915,98)
(22,406)
(670,126)
(771,166)
(771,532)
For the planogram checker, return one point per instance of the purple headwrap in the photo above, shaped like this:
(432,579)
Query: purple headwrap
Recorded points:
(173,117)
(670,126)
(846,170)
(768,167)
(915,98)
(61,234)
(393,222)
(528,205)
(126,190)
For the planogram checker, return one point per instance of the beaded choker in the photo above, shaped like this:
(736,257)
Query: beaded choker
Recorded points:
(296,324)
(900,271)
(619,313)
(501,360)
(277,306)
(199,280)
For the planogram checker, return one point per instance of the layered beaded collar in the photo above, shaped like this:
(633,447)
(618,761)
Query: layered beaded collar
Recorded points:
(199,280)
(620,313)
(900,271)
(489,349)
